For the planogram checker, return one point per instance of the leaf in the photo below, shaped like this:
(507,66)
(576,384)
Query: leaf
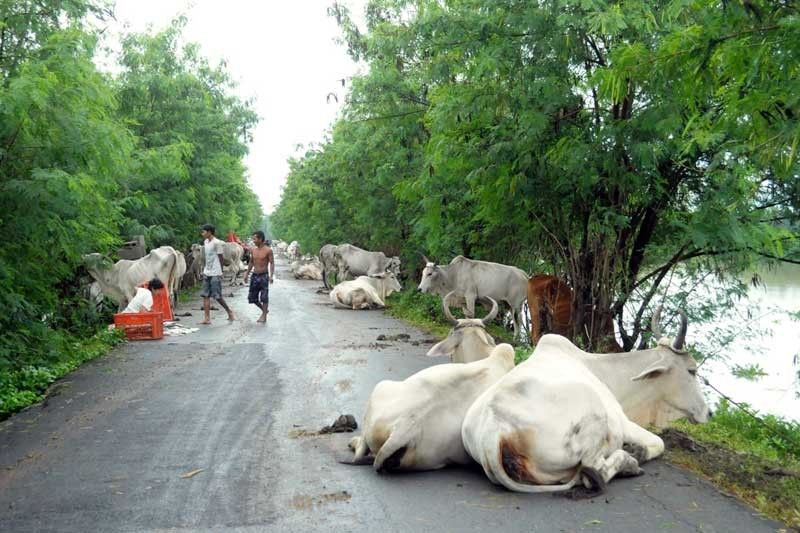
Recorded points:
(191,474)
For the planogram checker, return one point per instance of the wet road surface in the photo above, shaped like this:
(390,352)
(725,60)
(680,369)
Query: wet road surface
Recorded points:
(214,431)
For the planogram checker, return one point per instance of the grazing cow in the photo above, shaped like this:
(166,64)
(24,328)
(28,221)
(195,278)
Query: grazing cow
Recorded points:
(330,263)
(550,305)
(471,280)
(365,292)
(231,259)
(353,262)
(565,414)
(468,341)
(415,424)
(119,281)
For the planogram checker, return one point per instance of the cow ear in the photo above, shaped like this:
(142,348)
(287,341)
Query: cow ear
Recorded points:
(446,348)
(651,372)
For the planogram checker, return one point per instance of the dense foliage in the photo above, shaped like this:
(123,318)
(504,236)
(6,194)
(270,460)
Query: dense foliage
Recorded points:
(88,159)
(604,141)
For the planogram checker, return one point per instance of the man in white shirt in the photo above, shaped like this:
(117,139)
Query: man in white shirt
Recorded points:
(143,301)
(213,249)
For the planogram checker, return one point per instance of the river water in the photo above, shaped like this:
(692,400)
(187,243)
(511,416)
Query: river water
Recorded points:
(766,336)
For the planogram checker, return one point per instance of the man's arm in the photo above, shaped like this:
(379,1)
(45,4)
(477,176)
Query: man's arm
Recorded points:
(271,262)
(249,269)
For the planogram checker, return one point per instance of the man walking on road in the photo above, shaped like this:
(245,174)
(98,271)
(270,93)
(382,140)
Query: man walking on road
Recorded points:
(260,258)
(213,249)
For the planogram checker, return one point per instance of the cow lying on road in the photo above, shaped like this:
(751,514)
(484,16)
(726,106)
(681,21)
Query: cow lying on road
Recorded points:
(365,292)
(468,341)
(564,414)
(415,424)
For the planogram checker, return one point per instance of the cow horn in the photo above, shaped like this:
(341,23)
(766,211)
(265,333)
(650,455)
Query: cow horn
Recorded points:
(446,309)
(424,258)
(655,323)
(493,313)
(680,339)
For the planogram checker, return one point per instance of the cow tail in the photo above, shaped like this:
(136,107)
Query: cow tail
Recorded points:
(394,448)
(503,461)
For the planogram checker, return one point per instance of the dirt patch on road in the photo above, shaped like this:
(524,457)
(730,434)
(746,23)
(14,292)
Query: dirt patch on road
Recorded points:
(344,385)
(767,486)
(306,503)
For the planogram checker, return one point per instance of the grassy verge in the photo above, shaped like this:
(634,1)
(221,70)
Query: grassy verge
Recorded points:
(23,387)
(425,312)
(758,460)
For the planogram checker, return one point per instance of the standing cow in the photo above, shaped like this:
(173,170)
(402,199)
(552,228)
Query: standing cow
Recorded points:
(329,258)
(470,280)
(353,262)
(550,305)
(119,281)
(231,256)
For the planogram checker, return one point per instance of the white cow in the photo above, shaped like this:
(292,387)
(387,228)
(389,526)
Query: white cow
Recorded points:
(307,267)
(564,414)
(365,292)
(352,261)
(293,251)
(415,424)
(180,271)
(231,259)
(468,341)
(471,280)
(119,282)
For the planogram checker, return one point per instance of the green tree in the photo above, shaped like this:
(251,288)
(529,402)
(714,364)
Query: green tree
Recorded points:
(605,141)
(192,135)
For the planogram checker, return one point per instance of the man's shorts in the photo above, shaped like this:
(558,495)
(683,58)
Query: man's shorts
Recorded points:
(259,289)
(212,287)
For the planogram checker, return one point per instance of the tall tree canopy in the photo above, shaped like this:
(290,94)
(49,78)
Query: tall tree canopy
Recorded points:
(605,141)
(87,159)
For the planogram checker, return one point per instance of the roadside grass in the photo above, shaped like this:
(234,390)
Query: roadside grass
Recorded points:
(425,312)
(758,460)
(28,385)
(186,295)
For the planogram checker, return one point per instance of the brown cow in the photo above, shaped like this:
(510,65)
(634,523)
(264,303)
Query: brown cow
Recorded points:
(550,305)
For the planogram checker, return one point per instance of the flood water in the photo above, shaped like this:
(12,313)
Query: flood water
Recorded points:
(776,351)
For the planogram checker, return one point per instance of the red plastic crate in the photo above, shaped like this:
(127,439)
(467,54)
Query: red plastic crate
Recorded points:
(162,304)
(161,301)
(141,326)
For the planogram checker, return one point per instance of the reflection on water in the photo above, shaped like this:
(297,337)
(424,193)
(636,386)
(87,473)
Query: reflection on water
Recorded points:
(776,352)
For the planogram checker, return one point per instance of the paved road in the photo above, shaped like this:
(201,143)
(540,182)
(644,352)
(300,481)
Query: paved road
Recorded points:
(110,450)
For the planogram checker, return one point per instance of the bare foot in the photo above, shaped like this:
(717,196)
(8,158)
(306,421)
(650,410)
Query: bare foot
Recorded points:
(231,318)
(205,323)
(261,320)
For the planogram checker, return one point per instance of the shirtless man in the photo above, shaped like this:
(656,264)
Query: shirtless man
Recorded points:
(260,258)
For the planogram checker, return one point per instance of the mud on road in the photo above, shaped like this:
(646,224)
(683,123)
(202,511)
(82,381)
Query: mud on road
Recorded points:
(219,430)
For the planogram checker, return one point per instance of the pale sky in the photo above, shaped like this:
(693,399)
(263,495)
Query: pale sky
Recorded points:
(282,53)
